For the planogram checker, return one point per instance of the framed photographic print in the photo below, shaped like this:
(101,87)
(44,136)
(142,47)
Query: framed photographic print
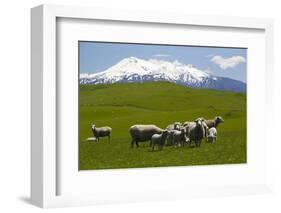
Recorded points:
(148,105)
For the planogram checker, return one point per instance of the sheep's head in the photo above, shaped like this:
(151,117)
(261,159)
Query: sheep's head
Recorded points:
(198,121)
(165,133)
(93,126)
(177,125)
(219,119)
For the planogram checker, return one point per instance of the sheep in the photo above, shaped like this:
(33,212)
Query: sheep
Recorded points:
(101,132)
(215,122)
(171,128)
(195,131)
(186,123)
(159,139)
(205,126)
(141,133)
(179,137)
(212,135)
(170,137)
(174,126)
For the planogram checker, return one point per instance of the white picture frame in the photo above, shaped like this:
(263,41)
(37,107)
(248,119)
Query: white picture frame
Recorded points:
(44,154)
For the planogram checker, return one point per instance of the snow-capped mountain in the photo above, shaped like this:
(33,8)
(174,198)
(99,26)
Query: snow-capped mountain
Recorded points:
(138,70)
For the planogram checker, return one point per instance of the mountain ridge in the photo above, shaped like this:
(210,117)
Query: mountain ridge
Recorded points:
(133,69)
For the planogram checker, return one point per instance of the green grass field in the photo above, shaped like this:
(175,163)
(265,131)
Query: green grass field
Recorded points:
(123,105)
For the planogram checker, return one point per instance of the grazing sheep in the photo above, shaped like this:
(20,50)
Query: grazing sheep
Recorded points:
(215,122)
(101,132)
(174,126)
(212,135)
(159,139)
(179,137)
(141,133)
(195,131)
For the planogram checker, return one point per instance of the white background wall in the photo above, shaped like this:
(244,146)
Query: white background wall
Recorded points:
(15,103)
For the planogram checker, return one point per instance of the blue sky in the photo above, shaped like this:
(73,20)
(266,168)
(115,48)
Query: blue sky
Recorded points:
(226,62)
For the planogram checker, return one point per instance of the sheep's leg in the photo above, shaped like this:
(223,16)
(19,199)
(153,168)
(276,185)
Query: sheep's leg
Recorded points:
(137,144)
(132,143)
(189,142)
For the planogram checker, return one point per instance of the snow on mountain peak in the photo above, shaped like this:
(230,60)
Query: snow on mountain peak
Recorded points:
(134,69)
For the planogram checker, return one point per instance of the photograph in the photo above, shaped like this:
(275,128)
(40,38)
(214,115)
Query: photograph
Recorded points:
(161,105)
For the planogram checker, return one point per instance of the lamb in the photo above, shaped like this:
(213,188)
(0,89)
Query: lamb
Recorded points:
(101,132)
(215,122)
(212,135)
(141,133)
(195,131)
(179,137)
(159,139)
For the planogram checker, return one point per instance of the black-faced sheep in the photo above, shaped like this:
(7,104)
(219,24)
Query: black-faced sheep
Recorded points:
(141,133)
(212,135)
(179,137)
(215,122)
(195,131)
(101,132)
(159,140)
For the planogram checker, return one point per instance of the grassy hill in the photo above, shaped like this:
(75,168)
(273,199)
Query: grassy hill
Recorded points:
(123,105)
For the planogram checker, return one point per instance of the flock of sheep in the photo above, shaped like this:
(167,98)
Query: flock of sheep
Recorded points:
(175,134)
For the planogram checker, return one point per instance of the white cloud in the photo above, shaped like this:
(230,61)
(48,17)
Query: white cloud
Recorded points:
(161,55)
(226,63)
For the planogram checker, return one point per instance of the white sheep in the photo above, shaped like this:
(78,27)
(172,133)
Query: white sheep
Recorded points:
(195,131)
(212,135)
(141,133)
(159,139)
(215,122)
(101,132)
(174,126)
(179,137)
